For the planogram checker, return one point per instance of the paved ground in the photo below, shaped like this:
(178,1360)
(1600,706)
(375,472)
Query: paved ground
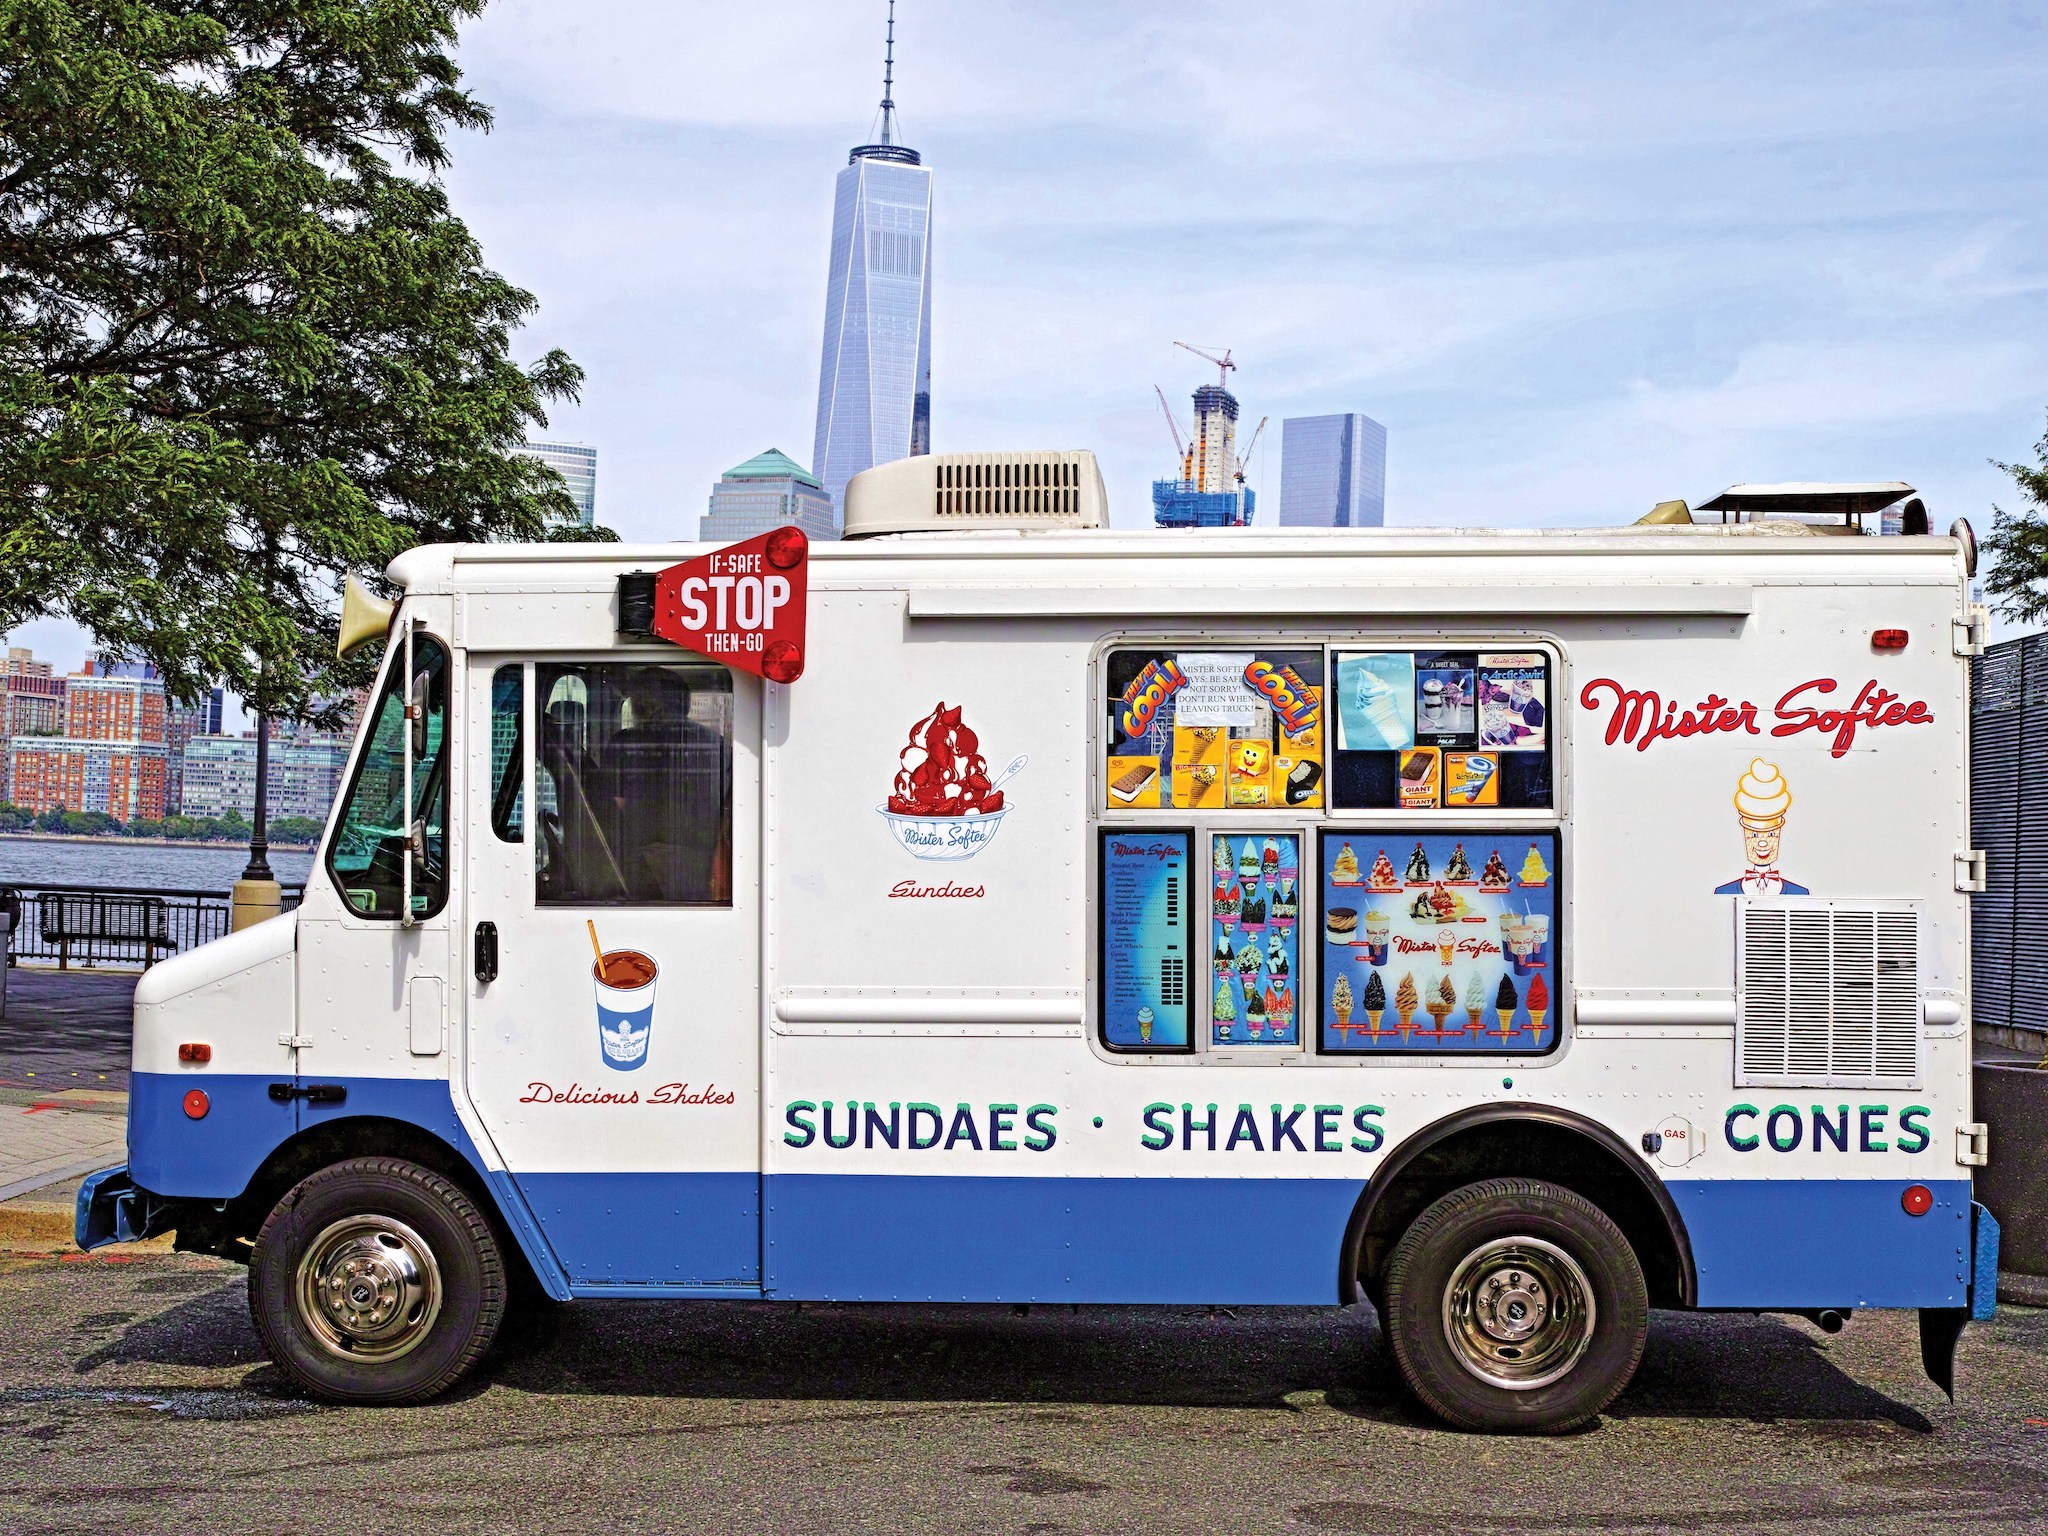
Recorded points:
(63,1075)
(133,1393)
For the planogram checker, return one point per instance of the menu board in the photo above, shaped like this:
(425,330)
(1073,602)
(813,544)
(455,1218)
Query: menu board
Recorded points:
(1445,942)
(1214,730)
(1441,730)
(1255,937)
(1147,924)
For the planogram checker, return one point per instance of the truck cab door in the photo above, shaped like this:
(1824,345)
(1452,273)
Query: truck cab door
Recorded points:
(612,1040)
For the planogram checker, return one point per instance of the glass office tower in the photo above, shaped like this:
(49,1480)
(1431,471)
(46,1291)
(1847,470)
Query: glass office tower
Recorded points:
(874,386)
(1333,472)
(575,463)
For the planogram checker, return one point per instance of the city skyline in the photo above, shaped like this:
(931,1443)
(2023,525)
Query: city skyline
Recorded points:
(1550,250)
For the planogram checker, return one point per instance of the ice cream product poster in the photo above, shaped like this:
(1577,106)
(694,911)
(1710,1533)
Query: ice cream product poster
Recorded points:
(1375,701)
(1254,927)
(1437,942)
(1446,699)
(1146,967)
(1226,729)
(1514,701)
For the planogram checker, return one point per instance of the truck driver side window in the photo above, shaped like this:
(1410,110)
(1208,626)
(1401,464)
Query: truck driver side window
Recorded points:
(633,784)
(366,859)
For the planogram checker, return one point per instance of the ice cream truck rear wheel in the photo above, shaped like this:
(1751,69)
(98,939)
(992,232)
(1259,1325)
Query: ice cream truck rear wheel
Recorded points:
(376,1281)
(1515,1304)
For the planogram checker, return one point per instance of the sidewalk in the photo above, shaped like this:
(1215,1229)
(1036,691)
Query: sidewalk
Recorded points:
(63,1076)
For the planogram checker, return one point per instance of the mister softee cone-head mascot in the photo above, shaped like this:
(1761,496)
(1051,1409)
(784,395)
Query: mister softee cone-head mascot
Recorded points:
(1762,801)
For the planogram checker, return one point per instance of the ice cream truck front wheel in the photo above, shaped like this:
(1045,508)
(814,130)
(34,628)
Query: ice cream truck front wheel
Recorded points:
(1516,1304)
(376,1281)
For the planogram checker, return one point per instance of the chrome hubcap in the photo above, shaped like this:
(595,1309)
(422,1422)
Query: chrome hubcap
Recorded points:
(369,1288)
(1518,1313)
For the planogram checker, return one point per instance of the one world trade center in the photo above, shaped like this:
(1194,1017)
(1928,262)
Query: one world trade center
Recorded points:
(875,383)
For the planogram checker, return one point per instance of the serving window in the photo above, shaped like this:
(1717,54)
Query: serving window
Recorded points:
(1366,860)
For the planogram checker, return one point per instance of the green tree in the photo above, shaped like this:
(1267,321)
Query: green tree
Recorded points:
(294,829)
(2017,579)
(245,346)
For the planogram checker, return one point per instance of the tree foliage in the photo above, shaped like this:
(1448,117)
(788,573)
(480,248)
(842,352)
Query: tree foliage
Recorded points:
(2017,580)
(245,346)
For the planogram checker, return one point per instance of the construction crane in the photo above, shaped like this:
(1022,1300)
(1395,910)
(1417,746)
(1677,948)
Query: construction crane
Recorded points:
(1245,458)
(1180,446)
(1223,364)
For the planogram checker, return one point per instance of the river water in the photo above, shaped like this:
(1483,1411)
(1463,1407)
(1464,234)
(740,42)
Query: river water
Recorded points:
(115,861)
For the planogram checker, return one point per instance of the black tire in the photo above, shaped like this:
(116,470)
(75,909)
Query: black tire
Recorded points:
(1506,1255)
(414,1277)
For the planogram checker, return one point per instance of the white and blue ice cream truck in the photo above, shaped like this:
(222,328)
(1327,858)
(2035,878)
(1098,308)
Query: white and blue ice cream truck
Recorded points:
(1515,930)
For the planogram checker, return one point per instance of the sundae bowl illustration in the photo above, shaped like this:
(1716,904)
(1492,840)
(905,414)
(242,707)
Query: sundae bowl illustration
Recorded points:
(624,979)
(944,804)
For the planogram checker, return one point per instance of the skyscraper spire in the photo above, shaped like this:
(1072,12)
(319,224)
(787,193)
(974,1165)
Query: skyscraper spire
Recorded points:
(889,82)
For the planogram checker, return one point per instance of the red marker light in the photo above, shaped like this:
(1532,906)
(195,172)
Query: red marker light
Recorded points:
(197,1104)
(782,662)
(1918,1200)
(1888,640)
(195,1051)
(786,549)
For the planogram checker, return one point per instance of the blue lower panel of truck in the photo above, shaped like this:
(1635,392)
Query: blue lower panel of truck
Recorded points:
(863,1237)
(1777,1243)
(1761,1243)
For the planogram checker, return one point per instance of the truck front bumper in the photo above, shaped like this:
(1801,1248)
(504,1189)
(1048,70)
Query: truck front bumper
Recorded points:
(112,1209)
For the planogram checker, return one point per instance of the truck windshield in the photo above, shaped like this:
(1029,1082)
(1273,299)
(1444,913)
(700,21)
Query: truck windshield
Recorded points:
(365,858)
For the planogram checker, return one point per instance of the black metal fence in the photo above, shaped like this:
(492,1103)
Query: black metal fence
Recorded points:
(2009,823)
(113,925)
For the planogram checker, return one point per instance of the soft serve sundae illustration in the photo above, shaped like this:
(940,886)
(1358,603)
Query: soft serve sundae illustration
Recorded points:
(944,804)
(625,1003)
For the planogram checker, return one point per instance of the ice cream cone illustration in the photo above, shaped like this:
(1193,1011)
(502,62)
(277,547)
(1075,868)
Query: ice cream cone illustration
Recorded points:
(1340,1005)
(1762,800)
(1446,945)
(1538,999)
(1441,1005)
(1375,1004)
(1145,1024)
(1505,1003)
(1405,1000)
(1475,1000)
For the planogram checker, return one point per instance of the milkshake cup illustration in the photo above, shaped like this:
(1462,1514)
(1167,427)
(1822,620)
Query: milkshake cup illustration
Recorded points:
(1377,925)
(624,979)
(1538,925)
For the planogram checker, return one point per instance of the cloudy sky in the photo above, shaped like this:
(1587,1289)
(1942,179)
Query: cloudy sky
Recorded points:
(1579,257)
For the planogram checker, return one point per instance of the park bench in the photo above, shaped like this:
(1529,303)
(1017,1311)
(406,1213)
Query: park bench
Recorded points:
(96,920)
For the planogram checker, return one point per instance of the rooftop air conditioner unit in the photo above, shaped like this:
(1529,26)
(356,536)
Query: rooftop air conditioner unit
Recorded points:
(934,492)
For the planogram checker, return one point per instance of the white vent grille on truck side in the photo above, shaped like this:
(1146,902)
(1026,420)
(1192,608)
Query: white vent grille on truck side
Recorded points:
(1827,994)
(1058,488)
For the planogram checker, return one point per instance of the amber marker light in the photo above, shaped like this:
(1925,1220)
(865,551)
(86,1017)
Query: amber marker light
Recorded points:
(197,1104)
(198,1052)
(1918,1200)
(1888,640)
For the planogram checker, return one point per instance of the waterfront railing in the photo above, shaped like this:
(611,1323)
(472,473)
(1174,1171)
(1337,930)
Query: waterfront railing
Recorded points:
(114,926)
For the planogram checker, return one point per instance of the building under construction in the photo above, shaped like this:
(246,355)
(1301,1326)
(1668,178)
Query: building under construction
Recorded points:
(1210,491)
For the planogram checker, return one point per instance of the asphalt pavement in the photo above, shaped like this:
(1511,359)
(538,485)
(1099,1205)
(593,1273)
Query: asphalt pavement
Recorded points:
(134,1395)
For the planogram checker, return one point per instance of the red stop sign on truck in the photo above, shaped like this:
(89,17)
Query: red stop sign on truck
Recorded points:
(743,605)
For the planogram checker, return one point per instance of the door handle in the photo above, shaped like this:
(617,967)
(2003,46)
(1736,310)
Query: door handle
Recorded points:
(486,952)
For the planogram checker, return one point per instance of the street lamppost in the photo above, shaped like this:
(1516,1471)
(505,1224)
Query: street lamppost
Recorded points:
(257,894)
